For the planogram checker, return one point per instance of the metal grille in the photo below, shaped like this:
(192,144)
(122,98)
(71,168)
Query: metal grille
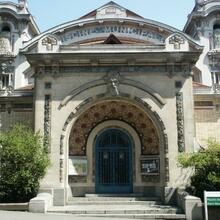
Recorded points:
(113,159)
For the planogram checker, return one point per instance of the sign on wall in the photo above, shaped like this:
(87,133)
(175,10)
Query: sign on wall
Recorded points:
(104,30)
(78,166)
(150,166)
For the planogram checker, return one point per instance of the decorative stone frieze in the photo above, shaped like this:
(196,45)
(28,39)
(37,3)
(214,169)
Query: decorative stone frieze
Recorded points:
(47,121)
(117,69)
(180,121)
(120,69)
(113,110)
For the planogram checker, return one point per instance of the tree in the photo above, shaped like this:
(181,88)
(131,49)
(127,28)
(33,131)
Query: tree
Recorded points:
(206,164)
(23,162)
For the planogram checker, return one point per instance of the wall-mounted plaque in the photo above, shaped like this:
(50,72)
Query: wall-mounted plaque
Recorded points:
(150,166)
(78,166)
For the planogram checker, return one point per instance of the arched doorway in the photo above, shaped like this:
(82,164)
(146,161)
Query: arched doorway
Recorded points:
(130,122)
(113,162)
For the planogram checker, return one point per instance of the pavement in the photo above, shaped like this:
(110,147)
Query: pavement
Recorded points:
(5,215)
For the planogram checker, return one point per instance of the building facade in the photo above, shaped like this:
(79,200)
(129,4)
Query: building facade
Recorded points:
(112,95)
(203,25)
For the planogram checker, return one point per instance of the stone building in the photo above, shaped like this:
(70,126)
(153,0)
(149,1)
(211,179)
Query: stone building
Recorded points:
(203,25)
(112,94)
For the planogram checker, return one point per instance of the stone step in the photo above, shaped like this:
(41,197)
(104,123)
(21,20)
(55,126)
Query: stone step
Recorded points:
(138,216)
(114,209)
(113,202)
(115,195)
(111,198)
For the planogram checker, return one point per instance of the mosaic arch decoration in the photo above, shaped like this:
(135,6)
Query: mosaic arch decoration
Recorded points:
(113,110)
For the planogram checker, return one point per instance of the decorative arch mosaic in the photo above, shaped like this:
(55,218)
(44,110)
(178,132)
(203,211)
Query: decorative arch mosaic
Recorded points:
(113,110)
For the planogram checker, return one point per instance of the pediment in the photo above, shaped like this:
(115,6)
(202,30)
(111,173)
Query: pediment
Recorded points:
(112,39)
(111,9)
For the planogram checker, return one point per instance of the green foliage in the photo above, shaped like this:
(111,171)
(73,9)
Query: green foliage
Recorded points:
(207,168)
(23,162)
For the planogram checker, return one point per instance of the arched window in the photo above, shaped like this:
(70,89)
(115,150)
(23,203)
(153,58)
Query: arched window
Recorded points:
(216,36)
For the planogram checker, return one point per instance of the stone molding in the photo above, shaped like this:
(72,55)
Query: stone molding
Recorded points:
(164,68)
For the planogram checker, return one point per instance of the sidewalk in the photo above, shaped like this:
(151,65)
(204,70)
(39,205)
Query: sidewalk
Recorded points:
(4,215)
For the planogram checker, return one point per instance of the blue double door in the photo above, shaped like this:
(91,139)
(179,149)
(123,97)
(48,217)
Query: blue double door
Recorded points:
(113,158)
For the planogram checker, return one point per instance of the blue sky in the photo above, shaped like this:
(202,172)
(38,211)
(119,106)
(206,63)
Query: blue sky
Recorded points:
(49,13)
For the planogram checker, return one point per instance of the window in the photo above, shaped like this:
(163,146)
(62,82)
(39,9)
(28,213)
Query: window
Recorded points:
(216,36)
(6,28)
(4,81)
(216,78)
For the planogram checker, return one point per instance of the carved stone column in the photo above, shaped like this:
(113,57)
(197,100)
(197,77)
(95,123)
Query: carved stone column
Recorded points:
(180,121)
(47,122)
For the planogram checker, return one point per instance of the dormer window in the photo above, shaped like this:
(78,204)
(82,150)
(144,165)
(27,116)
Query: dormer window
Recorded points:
(216,36)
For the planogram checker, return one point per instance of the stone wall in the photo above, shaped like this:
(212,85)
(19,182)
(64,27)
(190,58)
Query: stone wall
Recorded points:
(207,119)
(12,113)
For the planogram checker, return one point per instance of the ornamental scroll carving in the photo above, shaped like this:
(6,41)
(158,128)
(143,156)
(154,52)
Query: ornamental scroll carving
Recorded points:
(113,110)
(180,121)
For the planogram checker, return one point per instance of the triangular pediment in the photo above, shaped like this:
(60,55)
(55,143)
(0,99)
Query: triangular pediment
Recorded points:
(112,39)
(111,9)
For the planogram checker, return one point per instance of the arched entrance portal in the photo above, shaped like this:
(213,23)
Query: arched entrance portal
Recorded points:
(109,144)
(113,156)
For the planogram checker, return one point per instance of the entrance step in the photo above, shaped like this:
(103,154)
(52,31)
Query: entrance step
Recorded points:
(115,195)
(133,206)
(110,200)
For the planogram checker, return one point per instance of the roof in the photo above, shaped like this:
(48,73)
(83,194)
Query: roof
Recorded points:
(199,85)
